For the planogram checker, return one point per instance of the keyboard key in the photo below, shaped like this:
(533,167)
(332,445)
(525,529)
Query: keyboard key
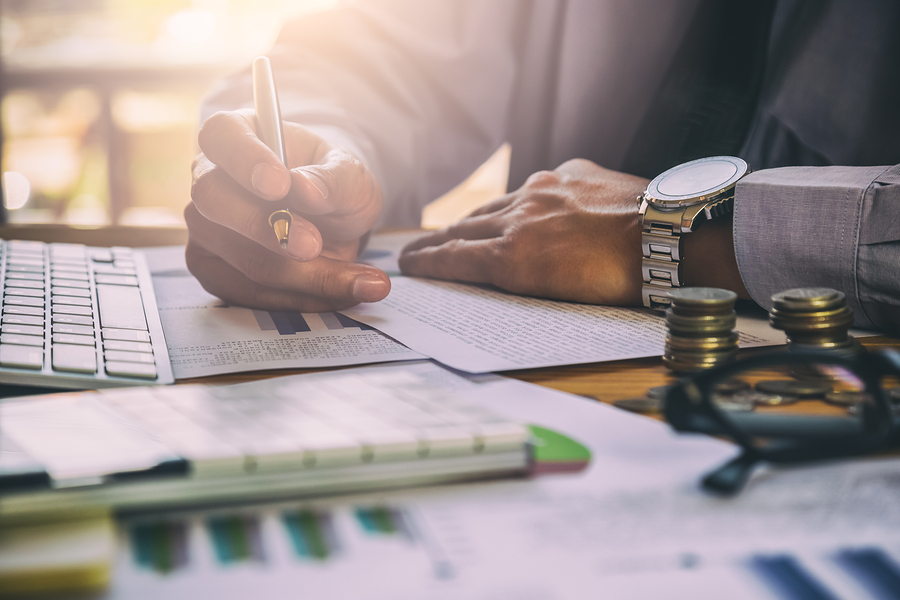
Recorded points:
(101,255)
(26,283)
(72,283)
(23,320)
(74,358)
(127,346)
(25,268)
(66,338)
(23,329)
(22,301)
(17,291)
(131,369)
(71,301)
(31,276)
(110,270)
(73,319)
(120,355)
(22,340)
(63,309)
(121,252)
(76,329)
(57,274)
(23,310)
(59,250)
(67,291)
(68,262)
(116,279)
(120,307)
(25,246)
(31,262)
(127,335)
(21,357)
(78,269)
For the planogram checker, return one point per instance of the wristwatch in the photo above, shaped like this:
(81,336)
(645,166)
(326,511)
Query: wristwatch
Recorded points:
(673,205)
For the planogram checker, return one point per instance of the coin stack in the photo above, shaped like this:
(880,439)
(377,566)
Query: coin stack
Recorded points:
(701,329)
(814,319)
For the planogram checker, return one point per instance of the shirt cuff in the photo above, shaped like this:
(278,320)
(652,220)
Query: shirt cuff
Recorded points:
(802,227)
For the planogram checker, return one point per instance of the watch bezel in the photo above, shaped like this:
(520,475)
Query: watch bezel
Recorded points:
(668,201)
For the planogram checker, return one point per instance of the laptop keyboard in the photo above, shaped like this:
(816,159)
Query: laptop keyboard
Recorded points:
(78,317)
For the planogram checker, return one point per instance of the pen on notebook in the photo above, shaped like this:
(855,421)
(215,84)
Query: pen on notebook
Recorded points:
(271,132)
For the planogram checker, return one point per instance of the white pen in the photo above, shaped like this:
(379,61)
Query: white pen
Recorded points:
(270,131)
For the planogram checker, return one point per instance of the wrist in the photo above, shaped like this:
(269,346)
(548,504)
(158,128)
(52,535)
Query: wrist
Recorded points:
(709,259)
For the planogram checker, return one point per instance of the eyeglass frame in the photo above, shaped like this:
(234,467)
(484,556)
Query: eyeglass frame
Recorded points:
(689,407)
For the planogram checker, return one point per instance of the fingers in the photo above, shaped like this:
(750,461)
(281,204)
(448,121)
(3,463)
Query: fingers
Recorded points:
(493,206)
(476,261)
(471,228)
(220,199)
(332,280)
(229,140)
(224,281)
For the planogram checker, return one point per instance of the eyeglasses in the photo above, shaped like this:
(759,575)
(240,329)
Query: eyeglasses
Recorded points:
(791,407)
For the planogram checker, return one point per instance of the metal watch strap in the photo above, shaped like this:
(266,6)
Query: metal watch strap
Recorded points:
(662,250)
(662,246)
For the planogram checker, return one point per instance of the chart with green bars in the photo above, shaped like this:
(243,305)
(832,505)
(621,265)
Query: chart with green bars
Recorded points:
(160,547)
(236,538)
(312,534)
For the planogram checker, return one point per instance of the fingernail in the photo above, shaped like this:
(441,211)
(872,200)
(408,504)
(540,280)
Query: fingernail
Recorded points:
(302,244)
(269,181)
(317,182)
(369,288)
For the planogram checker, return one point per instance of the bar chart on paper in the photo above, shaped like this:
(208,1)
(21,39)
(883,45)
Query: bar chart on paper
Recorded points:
(341,550)
(208,337)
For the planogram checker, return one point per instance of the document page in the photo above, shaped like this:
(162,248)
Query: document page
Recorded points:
(205,336)
(479,329)
(621,512)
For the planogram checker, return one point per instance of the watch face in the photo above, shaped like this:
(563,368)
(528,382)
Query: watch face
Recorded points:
(696,181)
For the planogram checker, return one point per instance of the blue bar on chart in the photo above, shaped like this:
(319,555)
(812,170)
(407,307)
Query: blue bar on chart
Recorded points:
(877,572)
(291,323)
(159,547)
(236,539)
(787,578)
(312,534)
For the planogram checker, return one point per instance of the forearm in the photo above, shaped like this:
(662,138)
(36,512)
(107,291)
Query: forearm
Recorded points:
(419,92)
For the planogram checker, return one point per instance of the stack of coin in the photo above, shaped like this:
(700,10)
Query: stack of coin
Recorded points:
(814,319)
(701,329)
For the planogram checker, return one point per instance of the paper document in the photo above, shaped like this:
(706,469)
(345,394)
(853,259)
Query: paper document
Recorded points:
(617,511)
(205,336)
(479,329)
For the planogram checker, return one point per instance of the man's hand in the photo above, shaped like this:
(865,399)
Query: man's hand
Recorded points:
(238,182)
(571,234)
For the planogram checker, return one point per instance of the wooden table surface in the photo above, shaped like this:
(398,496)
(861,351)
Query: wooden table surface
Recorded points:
(607,382)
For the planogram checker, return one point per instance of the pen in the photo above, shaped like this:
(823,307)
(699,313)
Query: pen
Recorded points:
(271,132)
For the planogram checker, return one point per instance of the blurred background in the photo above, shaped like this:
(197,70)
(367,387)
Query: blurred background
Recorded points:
(100,100)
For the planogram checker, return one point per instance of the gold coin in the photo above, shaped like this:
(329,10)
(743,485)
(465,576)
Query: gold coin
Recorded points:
(700,324)
(794,388)
(804,299)
(639,405)
(702,297)
(766,399)
(702,344)
(734,402)
(846,398)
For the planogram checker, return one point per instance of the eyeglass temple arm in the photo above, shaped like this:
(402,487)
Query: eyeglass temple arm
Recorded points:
(808,427)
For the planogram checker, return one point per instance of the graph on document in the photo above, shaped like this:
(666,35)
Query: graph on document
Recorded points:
(292,323)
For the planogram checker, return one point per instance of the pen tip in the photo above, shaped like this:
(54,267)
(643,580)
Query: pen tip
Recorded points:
(283,244)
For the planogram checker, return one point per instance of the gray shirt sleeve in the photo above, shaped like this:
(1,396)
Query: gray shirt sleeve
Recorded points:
(836,227)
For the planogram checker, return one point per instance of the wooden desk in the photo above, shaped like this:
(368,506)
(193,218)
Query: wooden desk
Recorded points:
(607,382)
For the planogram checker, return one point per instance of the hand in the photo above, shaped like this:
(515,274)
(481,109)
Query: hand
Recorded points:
(232,249)
(571,234)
